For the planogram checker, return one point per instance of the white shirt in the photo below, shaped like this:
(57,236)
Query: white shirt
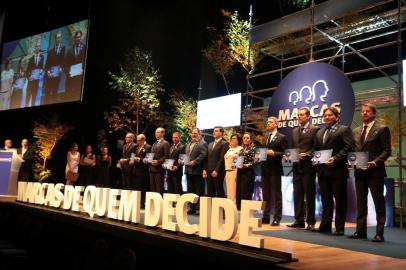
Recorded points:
(23,151)
(369,126)
(272,135)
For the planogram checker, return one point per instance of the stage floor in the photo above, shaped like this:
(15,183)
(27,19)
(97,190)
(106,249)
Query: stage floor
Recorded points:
(317,256)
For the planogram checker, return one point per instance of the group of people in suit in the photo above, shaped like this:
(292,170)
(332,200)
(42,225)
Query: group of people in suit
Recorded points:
(210,165)
(26,154)
(49,70)
(371,137)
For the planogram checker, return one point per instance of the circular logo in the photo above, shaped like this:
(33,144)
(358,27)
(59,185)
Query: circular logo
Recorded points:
(352,157)
(315,86)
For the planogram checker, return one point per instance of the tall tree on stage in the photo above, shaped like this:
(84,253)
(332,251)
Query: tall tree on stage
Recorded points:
(138,83)
(47,133)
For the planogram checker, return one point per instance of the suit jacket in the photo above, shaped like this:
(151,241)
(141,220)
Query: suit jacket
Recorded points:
(140,168)
(174,154)
(215,156)
(127,150)
(31,64)
(305,142)
(161,152)
(341,142)
(28,157)
(377,144)
(198,155)
(55,58)
(273,164)
(72,58)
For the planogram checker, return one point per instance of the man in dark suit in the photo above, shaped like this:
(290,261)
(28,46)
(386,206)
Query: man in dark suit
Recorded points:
(175,174)
(213,170)
(54,67)
(8,144)
(160,149)
(375,139)
(75,64)
(304,173)
(26,153)
(272,171)
(140,169)
(34,71)
(333,174)
(126,169)
(197,152)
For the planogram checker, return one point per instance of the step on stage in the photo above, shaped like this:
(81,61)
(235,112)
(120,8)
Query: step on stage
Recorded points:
(76,241)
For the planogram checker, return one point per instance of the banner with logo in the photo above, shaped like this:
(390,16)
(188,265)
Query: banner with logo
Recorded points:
(315,86)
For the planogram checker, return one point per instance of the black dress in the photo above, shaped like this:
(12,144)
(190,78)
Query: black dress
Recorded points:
(86,172)
(103,171)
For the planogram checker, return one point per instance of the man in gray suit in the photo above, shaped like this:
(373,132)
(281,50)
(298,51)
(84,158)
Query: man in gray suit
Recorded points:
(272,171)
(197,151)
(160,149)
(375,139)
(213,170)
(304,173)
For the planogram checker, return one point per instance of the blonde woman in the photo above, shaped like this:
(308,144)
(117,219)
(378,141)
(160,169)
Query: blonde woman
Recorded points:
(72,165)
(231,171)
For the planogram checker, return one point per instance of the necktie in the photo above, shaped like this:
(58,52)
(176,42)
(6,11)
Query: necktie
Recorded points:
(214,145)
(76,51)
(363,134)
(36,59)
(326,134)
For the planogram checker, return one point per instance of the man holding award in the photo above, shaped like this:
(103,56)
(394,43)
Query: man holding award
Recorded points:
(374,138)
(75,64)
(175,173)
(54,68)
(332,170)
(35,71)
(272,171)
(304,173)
(160,151)
(196,151)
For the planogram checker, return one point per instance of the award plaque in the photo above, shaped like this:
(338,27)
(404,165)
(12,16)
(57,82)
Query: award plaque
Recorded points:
(358,160)
(260,154)
(292,155)
(322,156)
(168,164)
(184,159)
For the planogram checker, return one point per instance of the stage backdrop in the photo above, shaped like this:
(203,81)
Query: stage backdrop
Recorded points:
(315,86)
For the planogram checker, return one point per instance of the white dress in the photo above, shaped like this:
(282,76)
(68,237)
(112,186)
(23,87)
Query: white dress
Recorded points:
(231,173)
(5,92)
(72,170)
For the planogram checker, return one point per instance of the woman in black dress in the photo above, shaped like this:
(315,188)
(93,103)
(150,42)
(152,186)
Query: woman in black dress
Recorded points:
(246,174)
(86,169)
(103,168)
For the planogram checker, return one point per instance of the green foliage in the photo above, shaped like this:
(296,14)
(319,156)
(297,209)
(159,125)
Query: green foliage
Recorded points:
(139,84)
(299,3)
(185,115)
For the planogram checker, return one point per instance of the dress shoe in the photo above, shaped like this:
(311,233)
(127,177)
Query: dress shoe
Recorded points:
(296,224)
(338,233)
(357,235)
(310,227)
(322,230)
(276,222)
(266,220)
(378,238)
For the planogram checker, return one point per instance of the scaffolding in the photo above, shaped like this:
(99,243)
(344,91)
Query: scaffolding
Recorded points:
(363,38)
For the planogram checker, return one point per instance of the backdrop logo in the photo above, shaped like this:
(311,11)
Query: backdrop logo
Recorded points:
(315,86)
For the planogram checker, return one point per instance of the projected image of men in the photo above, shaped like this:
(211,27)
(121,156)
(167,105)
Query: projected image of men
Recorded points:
(54,68)
(75,60)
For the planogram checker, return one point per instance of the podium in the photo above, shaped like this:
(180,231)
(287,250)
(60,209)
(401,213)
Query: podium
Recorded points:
(10,164)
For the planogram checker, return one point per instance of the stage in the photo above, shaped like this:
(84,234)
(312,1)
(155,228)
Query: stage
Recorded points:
(55,233)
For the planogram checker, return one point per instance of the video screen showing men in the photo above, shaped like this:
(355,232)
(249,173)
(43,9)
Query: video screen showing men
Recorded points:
(44,69)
